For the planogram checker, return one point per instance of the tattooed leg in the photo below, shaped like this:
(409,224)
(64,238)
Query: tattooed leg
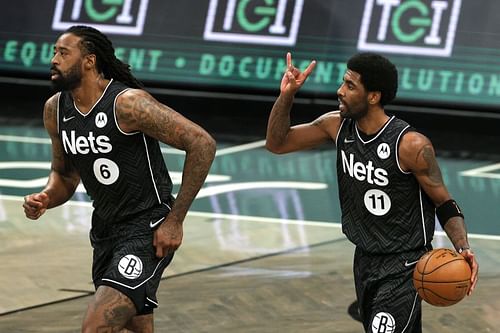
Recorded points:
(142,324)
(108,312)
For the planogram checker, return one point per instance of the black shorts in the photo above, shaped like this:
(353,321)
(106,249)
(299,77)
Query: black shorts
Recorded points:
(387,299)
(125,258)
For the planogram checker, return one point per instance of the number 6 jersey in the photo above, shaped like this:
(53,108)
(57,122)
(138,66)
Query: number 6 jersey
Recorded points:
(384,209)
(123,173)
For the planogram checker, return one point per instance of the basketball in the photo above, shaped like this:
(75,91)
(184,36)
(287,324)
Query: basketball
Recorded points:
(442,277)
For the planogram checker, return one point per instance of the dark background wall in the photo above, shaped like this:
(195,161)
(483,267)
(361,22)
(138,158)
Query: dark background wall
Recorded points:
(226,79)
(243,118)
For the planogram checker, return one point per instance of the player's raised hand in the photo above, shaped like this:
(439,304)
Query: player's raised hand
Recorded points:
(35,205)
(293,78)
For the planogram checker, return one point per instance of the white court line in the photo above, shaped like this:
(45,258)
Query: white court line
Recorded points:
(39,182)
(44,141)
(25,165)
(265,219)
(31,183)
(24,139)
(240,148)
(173,151)
(164,150)
(483,171)
(220,189)
(210,215)
(222,151)
(257,218)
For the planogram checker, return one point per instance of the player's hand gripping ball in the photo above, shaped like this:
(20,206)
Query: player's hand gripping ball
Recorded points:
(442,277)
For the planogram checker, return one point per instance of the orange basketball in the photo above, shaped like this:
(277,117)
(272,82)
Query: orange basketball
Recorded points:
(442,277)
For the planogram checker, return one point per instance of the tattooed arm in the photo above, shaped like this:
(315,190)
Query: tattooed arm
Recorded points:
(280,137)
(416,154)
(63,178)
(137,110)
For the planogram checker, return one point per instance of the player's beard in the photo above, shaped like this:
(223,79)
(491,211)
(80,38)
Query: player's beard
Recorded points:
(68,81)
(355,112)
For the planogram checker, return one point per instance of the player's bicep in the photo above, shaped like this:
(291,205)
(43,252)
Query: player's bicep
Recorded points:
(138,111)
(418,156)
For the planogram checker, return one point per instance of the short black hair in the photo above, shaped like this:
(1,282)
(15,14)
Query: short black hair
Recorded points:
(377,74)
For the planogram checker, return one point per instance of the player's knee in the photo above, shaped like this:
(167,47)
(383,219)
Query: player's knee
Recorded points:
(95,323)
(110,310)
(87,320)
(87,326)
(141,323)
(91,322)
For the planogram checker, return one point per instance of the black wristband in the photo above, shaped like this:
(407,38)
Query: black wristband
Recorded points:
(448,210)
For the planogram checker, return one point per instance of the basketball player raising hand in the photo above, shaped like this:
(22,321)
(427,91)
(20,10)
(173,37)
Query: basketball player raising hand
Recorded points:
(390,187)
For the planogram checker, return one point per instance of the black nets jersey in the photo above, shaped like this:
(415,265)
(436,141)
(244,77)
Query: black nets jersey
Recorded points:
(123,173)
(384,209)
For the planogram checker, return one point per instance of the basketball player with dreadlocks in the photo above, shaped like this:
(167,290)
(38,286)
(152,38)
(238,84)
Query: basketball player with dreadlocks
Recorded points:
(389,182)
(105,131)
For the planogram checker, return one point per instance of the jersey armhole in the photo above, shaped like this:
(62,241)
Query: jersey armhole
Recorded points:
(116,118)
(405,130)
(57,112)
(338,133)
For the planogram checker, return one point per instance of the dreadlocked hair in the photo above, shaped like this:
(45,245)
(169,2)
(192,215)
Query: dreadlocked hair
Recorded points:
(95,42)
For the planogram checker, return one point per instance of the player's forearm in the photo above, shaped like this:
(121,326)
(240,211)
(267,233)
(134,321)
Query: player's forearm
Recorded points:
(60,188)
(457,233)
(278,125)
(196,167)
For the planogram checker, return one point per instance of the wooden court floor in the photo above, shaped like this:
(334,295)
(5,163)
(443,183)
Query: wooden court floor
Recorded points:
(262,251)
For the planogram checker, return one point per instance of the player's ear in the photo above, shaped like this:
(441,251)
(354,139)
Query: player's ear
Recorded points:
(89,61)
(374,97)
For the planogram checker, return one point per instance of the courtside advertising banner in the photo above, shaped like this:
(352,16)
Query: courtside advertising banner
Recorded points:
(447,51)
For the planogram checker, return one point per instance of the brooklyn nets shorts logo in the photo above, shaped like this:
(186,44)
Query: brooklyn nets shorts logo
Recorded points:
(383,322)
(130,267)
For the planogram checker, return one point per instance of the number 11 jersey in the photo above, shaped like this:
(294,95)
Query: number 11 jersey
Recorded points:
(384,209)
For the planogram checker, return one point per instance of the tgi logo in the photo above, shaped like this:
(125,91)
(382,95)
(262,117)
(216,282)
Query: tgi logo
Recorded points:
(110,16)
(273,22)
(423,27)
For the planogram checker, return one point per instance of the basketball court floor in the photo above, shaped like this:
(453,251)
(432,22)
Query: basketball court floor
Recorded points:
(262,252)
